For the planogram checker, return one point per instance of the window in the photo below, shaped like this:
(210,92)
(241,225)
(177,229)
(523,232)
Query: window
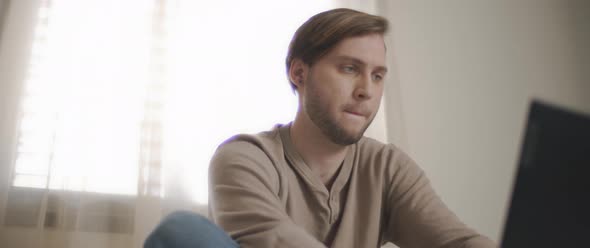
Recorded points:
(133,97)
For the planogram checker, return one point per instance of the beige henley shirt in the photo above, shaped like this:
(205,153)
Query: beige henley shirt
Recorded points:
(264,195)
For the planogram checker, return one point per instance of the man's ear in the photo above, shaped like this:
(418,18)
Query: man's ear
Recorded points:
(298,72)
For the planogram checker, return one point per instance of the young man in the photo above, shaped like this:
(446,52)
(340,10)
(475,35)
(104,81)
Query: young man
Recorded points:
(317,182)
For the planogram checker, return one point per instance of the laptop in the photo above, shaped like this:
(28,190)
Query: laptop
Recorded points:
(550,204)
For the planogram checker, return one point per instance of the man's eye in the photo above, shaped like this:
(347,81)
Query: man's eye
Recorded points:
(349,69)
(377,77)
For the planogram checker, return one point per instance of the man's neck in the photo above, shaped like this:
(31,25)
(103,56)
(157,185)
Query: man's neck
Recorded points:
(323,156)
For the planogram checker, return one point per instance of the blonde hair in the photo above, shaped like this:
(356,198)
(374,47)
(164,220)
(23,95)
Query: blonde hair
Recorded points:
(318,35)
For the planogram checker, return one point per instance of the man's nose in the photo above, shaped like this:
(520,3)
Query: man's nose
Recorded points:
(364,88)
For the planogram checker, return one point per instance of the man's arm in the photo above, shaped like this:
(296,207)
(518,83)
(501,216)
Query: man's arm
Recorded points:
(419,218)
(244,199)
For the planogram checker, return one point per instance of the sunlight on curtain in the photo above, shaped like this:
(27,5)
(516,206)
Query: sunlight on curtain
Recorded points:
(84,97)
(103,71)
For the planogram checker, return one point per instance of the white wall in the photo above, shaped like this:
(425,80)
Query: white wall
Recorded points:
(464,72)
(3,11)
(14,53)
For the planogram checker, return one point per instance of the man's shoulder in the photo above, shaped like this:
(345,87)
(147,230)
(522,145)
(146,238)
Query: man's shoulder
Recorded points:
(248,161)
(367,145)
(260,146)
(377,153)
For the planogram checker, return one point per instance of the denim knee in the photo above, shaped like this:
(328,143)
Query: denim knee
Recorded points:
(183,229)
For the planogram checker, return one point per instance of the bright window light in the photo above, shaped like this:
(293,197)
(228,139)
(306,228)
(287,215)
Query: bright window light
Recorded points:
(222,70)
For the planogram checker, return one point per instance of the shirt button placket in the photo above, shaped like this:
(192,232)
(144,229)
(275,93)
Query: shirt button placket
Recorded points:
(334,208)
(328,207)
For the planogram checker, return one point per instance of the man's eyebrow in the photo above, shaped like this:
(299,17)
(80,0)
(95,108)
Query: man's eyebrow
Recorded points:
(358,61)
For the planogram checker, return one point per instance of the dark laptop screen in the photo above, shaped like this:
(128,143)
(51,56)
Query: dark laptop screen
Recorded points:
(550,204)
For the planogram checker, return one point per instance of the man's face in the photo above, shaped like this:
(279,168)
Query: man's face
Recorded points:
(343,89)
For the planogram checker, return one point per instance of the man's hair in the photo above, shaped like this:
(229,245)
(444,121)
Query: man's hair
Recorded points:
(318,35)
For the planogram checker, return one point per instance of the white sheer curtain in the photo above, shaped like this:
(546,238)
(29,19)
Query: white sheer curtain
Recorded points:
(124,103)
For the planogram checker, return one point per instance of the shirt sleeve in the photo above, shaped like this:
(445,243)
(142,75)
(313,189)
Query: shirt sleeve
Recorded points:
(419,218)
(244,200)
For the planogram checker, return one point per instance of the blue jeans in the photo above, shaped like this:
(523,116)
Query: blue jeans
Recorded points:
(183,229)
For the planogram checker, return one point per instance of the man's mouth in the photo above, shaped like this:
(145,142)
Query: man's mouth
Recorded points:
(354,113)
(358,113)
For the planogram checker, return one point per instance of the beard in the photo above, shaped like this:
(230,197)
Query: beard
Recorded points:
(319,114)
